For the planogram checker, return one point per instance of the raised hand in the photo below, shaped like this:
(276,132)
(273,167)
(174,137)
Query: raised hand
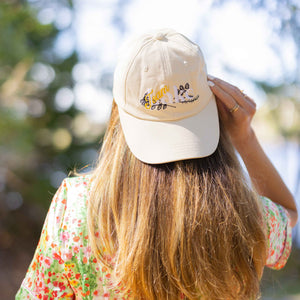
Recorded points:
(236,110)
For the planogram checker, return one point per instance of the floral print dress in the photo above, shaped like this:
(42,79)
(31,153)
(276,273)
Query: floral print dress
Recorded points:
(63,266)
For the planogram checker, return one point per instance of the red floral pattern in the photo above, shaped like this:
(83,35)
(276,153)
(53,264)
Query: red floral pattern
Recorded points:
(63,266)
(279,234)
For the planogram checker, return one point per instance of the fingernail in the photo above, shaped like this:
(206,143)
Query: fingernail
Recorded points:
(210,83)
(210,77)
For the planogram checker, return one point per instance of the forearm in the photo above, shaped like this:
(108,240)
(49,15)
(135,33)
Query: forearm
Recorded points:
(264,176)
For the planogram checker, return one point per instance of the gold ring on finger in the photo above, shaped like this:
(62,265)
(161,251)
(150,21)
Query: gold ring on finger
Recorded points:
(235,108)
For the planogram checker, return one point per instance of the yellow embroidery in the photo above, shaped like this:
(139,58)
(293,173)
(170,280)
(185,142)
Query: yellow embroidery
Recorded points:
(150,98)
(183,94)
(160,94)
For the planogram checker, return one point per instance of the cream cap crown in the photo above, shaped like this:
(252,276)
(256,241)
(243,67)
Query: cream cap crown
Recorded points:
(160,87)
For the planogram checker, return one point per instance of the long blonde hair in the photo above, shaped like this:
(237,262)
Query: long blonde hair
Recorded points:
(189,228)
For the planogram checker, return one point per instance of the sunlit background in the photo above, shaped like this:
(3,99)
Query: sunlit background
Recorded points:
(56,67)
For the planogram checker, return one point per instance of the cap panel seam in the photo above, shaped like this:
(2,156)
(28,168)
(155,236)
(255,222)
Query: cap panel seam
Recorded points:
(189,44)
(166,61)
(129,67)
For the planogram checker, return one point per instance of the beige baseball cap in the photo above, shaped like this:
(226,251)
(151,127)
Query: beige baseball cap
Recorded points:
(167,110)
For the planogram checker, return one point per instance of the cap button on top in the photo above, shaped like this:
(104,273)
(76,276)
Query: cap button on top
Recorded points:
(159,36)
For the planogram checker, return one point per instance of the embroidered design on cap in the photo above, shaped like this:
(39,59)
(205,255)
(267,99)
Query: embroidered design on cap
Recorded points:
(163,98)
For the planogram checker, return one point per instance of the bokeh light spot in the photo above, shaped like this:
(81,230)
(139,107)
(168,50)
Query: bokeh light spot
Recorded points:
(36,108)
(14,200)
(64,99)
(80,125)
(56,178)
(61,139)
(42,73)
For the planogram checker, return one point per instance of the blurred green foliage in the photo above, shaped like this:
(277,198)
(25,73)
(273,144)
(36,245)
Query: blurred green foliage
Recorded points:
(38,142)
(31,74)
(21,34)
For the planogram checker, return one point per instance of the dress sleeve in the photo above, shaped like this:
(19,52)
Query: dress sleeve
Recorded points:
(279,233)
(45,277)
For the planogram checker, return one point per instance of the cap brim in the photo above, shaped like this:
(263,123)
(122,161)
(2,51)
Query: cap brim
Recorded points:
(157,142)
